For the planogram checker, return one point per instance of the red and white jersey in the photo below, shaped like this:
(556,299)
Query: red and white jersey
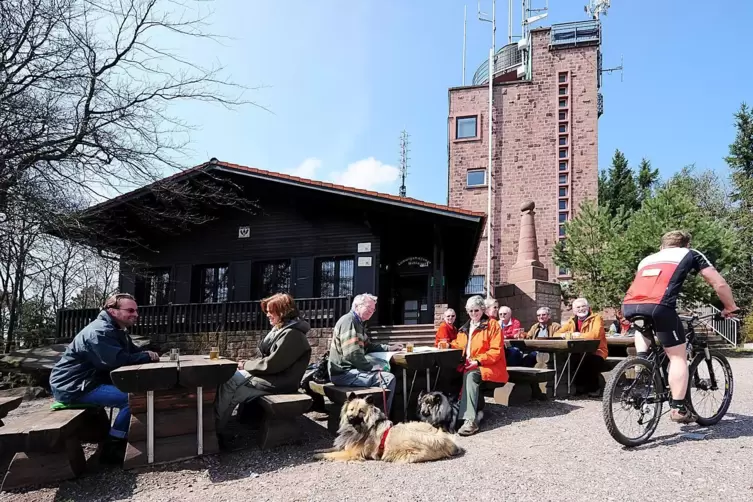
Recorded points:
(661,275)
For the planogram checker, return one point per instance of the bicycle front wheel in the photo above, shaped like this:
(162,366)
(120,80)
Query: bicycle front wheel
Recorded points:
(632,401)
(710,388)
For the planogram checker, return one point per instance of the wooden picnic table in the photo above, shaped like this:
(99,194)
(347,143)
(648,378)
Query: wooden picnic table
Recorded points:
(559,346)
(179,420)
(424,360)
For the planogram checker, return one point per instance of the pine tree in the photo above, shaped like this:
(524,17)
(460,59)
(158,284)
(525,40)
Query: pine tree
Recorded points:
(620,190)
(647,178)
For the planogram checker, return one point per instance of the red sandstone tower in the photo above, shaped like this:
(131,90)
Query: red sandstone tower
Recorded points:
(545,133)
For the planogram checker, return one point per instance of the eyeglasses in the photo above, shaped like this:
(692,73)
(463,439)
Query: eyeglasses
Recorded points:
(130,311)
(451,315)
(541,315)
(471,311)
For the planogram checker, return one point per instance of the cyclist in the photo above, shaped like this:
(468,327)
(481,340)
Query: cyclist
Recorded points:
(653,294)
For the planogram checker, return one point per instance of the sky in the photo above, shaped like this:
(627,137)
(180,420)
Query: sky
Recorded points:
(339,80)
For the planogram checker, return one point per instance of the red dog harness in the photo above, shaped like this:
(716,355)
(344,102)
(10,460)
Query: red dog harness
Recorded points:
(384,438)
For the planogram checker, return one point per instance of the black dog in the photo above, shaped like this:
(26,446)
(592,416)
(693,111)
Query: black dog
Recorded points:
(438,410)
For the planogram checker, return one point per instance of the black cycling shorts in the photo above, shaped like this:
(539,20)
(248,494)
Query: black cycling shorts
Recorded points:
(667,324)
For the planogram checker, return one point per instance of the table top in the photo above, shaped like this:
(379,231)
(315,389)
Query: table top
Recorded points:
(577,346)
(626,341)
(189,371)
(428,359)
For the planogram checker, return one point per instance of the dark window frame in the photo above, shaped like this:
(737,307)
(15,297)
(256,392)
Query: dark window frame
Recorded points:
(264,290)
(468,173)
(340,286)
(475,127)
(217,290)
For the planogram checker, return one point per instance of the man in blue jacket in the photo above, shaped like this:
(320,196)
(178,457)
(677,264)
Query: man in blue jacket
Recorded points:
(82,375)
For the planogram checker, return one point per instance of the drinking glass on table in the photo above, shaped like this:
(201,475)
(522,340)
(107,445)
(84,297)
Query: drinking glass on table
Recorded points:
(214,353)
(409,347)
(518,333)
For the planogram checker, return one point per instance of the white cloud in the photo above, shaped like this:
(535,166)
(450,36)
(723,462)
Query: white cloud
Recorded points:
(366,174)
(307,168)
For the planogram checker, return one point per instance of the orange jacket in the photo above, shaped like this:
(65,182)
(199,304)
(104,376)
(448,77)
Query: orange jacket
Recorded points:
(487,347)
(445,332)
(591,329)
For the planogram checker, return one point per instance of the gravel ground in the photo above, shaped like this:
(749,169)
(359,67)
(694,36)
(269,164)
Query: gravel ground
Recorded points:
(543,451)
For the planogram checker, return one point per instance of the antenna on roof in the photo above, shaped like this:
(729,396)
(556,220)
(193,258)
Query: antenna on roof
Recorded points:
(403,160)
(597,7)
(620,68)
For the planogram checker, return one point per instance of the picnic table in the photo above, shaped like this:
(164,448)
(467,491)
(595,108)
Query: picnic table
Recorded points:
(170,407)
(621,345)
(558,346)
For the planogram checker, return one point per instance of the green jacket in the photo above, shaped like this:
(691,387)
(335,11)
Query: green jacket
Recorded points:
(283,358)
(349,347)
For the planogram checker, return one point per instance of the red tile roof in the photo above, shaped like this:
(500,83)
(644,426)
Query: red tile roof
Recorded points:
(304,181)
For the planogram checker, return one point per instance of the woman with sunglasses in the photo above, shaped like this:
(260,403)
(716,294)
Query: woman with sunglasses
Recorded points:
(482,344)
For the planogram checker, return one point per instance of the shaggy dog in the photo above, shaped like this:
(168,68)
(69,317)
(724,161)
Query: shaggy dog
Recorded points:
(366,434)
(438,410)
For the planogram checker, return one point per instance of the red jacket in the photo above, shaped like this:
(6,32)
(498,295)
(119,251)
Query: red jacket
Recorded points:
(510,329)
(445,332)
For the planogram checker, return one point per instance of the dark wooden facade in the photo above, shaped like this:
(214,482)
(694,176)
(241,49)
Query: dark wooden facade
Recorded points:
(310,239)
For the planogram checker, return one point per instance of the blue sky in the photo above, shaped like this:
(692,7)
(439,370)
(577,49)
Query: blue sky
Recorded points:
(342,79)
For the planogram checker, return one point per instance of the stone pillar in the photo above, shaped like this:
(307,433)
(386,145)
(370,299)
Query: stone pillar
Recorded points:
(439,309)
(528,285)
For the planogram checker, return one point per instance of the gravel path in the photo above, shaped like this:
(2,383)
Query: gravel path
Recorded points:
(543,451)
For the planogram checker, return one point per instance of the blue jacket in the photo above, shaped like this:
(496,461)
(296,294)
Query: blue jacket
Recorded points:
(87,361)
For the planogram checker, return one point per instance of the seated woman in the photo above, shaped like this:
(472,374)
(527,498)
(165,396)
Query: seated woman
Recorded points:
(282,358)
(587,326)
(482,344)
(447,331)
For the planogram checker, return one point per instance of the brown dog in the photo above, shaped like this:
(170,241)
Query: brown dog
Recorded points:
(366,434)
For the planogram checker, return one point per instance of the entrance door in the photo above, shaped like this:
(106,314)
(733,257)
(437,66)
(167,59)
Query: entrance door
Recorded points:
(413,299)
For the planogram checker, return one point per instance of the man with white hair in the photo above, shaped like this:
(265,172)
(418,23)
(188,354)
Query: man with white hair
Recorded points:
(587,325)
(347,354)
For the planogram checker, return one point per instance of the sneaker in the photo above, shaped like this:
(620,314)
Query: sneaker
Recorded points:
(479,416)
(681,416)
(469,428)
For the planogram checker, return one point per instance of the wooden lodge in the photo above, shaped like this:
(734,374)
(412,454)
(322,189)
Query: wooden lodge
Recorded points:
(321,242)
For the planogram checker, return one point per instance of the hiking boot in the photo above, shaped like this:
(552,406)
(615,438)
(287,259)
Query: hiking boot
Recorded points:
(681,416)
(469,428)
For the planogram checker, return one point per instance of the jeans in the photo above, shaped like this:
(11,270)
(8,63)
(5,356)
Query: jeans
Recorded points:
(355,378)
(109,395)
(515,357)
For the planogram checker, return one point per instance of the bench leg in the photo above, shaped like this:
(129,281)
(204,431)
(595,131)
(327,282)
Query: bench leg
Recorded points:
(276,431)
(33,468)
(199,421)
(513,394)
(150,426)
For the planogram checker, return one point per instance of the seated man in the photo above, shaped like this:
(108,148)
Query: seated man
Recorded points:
(282,358)
(544,327)
(511,328)
(82,375)
(481,341)
(447,331)
(586,325)
(348,365)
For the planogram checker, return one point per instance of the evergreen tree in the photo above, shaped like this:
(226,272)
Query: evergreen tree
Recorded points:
(620,190)
(647,178)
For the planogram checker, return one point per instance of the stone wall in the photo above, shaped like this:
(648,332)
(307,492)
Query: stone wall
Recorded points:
(525,158)
(235,344)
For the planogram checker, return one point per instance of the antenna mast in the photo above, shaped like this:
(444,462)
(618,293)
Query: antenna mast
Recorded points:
(403,160)
(597,7)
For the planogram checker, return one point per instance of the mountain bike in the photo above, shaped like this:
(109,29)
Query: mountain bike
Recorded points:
(641,385)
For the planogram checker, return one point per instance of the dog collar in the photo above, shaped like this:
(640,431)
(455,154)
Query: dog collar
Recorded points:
(384,438)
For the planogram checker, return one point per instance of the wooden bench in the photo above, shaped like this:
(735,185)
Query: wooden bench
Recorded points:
(279,424)
(46,445)
(8,404)
(522,385)
(611,362)
(339,394)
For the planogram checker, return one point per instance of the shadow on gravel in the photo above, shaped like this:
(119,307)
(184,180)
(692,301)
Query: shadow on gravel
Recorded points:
(105,485)
(732,426)
(496,415)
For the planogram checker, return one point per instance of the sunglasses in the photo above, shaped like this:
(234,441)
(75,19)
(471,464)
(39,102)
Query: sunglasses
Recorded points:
(473,310)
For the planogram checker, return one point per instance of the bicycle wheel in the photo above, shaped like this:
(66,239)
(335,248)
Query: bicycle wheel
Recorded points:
(633,386)
(710,392)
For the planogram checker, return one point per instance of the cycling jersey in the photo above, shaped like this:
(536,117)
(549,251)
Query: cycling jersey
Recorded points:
(661,275)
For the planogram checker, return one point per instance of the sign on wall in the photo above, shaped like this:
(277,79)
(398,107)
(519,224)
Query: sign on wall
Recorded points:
(244,232)
(364,261)
(364,247)
(414,261)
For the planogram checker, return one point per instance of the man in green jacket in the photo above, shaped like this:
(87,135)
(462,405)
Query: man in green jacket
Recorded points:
(348,365)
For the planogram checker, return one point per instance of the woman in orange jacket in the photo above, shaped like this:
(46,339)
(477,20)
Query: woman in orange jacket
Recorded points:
(482,344)
(447,331)
(590,326)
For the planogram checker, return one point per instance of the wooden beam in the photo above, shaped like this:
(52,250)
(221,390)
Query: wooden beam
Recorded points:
(169,449)
(177,398)
(170,423)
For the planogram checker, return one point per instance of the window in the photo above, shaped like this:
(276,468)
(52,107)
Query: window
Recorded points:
(563,77)
(476,285)
(563,103)
(465,127)
(563,165)
(272,277)
(562,230)
(563,128)
(477,178)
(563,115)
(562,271)
(563,90)
(563,140)
(563,179)
(563,217)
(213,283)
(153,287)
(563,191)
(334,277)
(563,204)
(563,153)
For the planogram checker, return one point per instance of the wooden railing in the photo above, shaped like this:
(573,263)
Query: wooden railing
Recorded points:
(208,317)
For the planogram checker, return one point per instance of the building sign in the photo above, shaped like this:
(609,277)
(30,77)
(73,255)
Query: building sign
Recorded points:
(414,261)
(364,247)
(244,232)
(364,261)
